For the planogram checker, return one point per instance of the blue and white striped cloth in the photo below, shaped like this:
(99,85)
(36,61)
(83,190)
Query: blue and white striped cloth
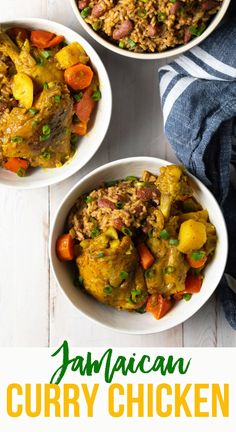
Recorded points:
(198,96)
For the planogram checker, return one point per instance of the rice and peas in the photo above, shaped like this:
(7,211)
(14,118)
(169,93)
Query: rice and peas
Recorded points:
(148,25)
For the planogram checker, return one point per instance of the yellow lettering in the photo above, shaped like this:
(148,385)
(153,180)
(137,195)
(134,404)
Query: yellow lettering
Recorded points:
(28,401)
(18,411)
(71,400)
(150,400)
(139,399)
(223,400)
(90,399)
(159,400)
(180,400)
(111,400)
(198,400)
(52,399)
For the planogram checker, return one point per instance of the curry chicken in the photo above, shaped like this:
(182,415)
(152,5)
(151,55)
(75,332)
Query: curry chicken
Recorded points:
(140,244)
(48,90)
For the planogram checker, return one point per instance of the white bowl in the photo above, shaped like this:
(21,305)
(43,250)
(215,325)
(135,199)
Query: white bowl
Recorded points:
(152,56)
(125,321)
(89,144)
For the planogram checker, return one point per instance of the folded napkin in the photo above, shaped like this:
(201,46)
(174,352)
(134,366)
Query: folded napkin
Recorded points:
(198,96)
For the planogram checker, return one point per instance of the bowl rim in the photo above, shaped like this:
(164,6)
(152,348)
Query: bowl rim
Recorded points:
(153,56)
(93,173)
(98,64)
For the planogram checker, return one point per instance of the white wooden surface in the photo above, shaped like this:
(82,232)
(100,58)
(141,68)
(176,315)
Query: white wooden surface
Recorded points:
(33,311)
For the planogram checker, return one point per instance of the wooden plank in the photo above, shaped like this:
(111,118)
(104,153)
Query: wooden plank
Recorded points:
(226,336)
(24,268)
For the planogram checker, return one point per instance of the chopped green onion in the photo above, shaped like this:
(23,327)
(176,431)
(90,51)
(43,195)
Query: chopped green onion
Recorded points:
(173,242)
(170,269)
(119,205)
(57,98)
(198,255)
(46,54)
(100,255)
(187,297)
(121,44)
(141,13)
(197,31)
(78,281)
(17,139)
(21,172)
(131,178)
(78,96)
(111,183)
(74,139)
(149,273)
(172,1)
(85,12)
(124,275)
(95,232)
(108,290)
(164,235)
(94,221)
(88,199)
(46,129)
(96,95)
(126,231)
(150,233)
(135,293)
(45,86)
(46,154)
(131,43)
(161,16)
(96,26)
(141,310)
(33,111)
(40,61)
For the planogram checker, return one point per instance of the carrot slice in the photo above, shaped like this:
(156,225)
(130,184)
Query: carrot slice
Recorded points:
(196,263)
(158,305)
(79,128)
(146,258)
(65,247)
(41,38)
(14,164)
(85,106)
(193,284)
(55,41)
(79,76)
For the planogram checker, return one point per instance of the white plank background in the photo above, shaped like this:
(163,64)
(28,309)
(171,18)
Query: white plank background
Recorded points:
(33,311)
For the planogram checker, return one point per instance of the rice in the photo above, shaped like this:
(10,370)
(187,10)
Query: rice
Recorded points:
(128,204)
(154,26)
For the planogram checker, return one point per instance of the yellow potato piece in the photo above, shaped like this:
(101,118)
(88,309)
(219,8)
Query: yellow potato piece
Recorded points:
(71,55)
(23,89)
(192,236)
(198,216)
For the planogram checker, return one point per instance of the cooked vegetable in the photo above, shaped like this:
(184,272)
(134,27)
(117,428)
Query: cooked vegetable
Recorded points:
(55,41)
(146,258)
(158,305)
(193,284)
(79,128)
(192,236)
(85,106)
(23,89)
(16,165)
(71,55)
(65,247)
(79,76)
(201,215)
(41,38)
(196,262)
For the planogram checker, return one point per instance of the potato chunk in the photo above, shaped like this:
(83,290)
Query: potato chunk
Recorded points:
(23,89)
(71,55)
(192,236)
